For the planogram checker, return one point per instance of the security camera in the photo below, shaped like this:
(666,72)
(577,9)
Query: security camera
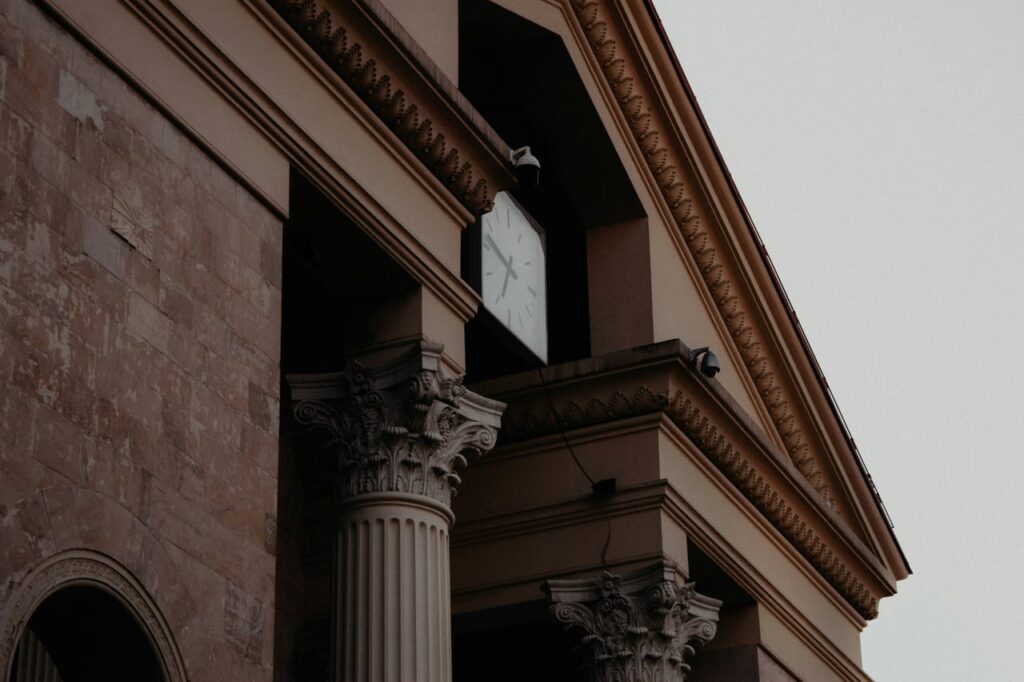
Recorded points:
(709,365)
(527,167)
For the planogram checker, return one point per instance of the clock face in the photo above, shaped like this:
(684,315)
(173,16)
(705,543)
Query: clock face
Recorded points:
(512,273)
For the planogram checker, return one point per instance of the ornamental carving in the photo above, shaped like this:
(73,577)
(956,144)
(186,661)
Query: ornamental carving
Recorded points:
(664,163)
(643,627)
(85,567)
(350,60)
(404,428)
(724,454)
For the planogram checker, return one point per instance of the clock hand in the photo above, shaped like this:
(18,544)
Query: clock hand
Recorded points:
(497,251)
(508,273)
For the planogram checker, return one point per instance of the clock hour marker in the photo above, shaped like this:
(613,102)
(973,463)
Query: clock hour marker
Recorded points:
(520,316)
(530,289)
(510,318)
(519,240)
(490,272)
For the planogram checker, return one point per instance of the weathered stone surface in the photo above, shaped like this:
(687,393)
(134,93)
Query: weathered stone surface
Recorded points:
(139,321)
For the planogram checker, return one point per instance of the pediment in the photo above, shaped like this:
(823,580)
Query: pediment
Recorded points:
(779,383)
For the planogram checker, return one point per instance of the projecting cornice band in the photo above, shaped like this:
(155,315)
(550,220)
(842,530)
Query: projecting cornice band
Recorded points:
(666,161)
(443,143)
(652,380)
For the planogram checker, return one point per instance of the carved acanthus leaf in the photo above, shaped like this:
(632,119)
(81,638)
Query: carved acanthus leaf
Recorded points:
(639,628)
(397,430)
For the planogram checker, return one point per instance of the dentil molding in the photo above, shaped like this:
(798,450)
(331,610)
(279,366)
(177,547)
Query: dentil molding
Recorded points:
(405,427)
(643,627)
(523,424)
(601,27)
(430,138)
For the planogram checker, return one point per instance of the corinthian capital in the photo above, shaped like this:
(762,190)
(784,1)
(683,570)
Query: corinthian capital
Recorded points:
(405,427)
(642,627)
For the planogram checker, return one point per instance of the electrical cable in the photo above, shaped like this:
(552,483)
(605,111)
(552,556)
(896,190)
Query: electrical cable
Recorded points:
(594,485)
(561,429)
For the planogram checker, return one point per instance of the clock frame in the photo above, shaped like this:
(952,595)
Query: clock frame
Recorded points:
(505,262)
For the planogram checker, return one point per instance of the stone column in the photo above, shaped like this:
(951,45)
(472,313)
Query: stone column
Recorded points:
(400,433)
(636,628)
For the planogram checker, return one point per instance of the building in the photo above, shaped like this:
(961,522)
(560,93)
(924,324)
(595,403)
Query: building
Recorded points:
(273,272)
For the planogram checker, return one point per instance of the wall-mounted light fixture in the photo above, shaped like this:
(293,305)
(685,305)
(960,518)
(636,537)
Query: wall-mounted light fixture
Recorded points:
(709,365)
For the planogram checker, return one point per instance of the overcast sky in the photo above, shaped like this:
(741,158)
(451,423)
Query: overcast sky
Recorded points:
(879,147)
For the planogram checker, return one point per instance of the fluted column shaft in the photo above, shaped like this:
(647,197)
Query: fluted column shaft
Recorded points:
(393,596)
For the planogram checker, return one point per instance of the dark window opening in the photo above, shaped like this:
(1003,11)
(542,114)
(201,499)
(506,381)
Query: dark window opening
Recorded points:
(484,643)
(87,635)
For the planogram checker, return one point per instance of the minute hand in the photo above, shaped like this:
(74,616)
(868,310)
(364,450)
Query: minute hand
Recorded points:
(504,261)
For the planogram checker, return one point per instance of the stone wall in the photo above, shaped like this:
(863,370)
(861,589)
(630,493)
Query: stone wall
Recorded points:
(139,342)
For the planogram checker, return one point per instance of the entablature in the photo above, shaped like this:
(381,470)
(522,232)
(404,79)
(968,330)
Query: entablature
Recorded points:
(658,380)
(372,53)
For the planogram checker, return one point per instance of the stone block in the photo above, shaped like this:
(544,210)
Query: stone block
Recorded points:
(147,322)
(102,245)
(139,313)
(243,622)
(79,101)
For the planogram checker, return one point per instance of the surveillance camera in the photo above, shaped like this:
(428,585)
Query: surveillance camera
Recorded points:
(709,365)
(527,167)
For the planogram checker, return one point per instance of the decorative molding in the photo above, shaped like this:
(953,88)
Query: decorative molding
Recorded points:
(524,424)
(129,223)
(85,567)
(664,164)
(406,427)
(730,460)
(642,627)
(352,61)
(724,454)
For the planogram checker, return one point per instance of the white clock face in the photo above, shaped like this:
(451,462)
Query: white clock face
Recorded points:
(512,274)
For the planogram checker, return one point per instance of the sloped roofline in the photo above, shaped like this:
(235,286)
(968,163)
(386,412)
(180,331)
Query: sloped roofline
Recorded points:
(774,277)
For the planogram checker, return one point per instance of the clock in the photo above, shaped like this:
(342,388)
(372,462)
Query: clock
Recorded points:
(512,279)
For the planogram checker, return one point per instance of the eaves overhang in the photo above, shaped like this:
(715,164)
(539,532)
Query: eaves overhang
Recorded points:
(658,379)
(777,284)
(371,52)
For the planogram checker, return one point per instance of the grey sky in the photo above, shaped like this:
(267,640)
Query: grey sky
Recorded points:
(879,147)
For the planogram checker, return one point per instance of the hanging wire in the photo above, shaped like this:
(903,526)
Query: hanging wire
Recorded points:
(561,429)
(594,485)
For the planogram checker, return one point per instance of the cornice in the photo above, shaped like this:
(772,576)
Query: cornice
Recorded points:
(654,380)
(441,136)
(668,161)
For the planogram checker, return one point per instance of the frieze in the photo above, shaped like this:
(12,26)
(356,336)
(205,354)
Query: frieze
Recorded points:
(643,627)
(662,162)
(352,61)
(524,423)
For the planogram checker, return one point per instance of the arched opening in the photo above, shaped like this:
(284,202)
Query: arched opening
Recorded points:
(82,634)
